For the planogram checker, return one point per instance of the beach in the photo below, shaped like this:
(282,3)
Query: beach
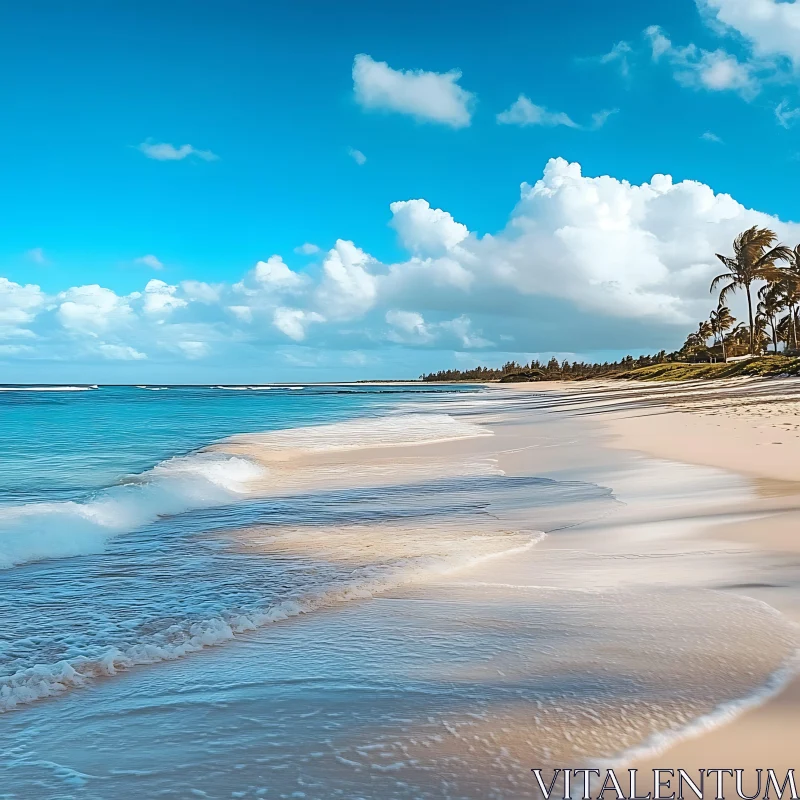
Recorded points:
(748,428)
(423,595)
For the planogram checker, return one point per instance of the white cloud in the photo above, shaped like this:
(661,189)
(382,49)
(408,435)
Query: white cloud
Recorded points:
(427,230)
(582,263)
(709,136)
(426,96)
(599,118)
(461,328)
(120,352)
(294,321)
(202,292)
(19,305)
(92,309)
(694,67)
(162,151)
(307,249)
(194,350)
(771,26)
(408,327)
(161,298)
(348,289)
(523,112)
(357,156)
(272,276)
(785,115)
(149,261)
(242,313)
(619,55)
(36,255)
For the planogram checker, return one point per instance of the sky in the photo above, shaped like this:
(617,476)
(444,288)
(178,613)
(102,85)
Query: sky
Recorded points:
(247,192)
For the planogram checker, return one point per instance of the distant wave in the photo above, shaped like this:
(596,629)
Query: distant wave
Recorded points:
(254,388)
(37,531)
(47,388)
(46,680)
(154,388)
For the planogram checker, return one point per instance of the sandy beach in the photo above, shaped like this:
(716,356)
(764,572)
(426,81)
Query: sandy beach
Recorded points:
(750,429)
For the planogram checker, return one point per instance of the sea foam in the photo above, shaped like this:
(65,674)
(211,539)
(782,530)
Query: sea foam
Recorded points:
(36,531)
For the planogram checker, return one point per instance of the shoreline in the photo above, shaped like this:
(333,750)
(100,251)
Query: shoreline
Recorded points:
(640,612)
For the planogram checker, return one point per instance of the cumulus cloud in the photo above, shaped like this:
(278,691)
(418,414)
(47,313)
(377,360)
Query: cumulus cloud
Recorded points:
(594,262)
(149,261)
(348,288)
(93,309)
(163,151)
(772,27)
(202,292)
(19,305)
(423,229)
(709,136)
(294,321)
(408,327)
(161,298)
(357,156)
(426,96)
(692,66)
(272,276)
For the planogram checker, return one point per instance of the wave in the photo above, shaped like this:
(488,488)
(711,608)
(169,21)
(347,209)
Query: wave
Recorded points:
(366,432)
(42,681)
(48,388)
(204,479)
(37,531)
(154,388)
(724,713)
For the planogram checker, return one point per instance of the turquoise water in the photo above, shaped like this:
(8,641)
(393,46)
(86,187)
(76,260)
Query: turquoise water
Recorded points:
(59,445)
(116,521)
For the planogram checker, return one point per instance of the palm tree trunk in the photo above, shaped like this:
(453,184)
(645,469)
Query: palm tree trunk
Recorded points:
(793,326)
(750,315)
(774,337)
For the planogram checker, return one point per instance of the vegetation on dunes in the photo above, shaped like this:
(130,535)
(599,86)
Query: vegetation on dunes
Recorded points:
(759,265)
(766,367)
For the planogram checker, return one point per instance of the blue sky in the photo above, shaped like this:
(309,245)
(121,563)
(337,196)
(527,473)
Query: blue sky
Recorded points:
(176,145)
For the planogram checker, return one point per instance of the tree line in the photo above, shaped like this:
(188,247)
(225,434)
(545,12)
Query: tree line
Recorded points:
(772,320)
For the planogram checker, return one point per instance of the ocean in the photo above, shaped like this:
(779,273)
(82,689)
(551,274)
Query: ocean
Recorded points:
(332,591)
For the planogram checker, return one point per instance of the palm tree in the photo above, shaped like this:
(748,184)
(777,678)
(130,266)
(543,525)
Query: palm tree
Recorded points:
(738,337)
(754,259)
(772,303)
(720,321)
(790,282)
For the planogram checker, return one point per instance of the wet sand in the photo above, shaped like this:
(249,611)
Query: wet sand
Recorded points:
(749,428)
